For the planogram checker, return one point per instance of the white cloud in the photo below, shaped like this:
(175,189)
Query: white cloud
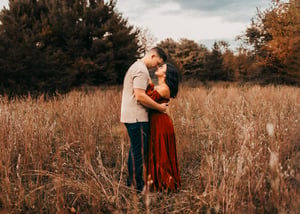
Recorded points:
(170,21)
(186,26)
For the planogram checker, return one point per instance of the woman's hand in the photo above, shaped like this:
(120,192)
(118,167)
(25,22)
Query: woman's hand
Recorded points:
(165,107)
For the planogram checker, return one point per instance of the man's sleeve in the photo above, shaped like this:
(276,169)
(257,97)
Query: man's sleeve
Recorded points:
(140,79)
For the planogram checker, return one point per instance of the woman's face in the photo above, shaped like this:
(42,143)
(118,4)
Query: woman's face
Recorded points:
(161,71)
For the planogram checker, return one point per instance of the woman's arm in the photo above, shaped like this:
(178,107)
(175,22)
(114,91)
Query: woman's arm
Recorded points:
(146,101)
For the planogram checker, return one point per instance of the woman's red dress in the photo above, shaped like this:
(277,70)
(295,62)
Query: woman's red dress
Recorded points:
(161,162)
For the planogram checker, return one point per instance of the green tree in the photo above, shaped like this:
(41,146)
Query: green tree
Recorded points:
(19,47)
(192,57)
(246,68)
(188,55)
(230,65)
(125,45)
(214,64)
(51,45)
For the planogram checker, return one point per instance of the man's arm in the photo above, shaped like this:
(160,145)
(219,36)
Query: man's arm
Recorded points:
(146,101)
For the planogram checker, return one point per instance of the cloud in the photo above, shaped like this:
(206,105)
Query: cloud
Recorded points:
(218,5)
(181,19)
(229,10)
(136,9)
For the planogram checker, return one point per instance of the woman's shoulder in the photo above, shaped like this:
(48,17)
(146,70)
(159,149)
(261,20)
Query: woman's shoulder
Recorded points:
(164,91)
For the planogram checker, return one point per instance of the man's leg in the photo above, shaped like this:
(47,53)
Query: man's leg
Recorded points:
(129,181)
(145,131)
(138,134)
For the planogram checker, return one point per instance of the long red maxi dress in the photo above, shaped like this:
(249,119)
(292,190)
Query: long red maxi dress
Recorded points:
(162,171)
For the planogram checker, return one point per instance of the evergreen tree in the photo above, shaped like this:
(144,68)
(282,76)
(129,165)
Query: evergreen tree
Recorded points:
(54,45)
(214,64)
(188,55)
(19,47)
(125,48)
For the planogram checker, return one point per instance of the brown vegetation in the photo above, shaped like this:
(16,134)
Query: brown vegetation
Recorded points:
(238,151)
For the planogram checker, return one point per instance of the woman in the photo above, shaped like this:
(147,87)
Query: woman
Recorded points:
(161,164)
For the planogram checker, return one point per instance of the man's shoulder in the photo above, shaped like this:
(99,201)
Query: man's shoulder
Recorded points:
(138,65)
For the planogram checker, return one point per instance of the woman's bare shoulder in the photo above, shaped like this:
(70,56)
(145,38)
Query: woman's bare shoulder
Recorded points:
(163,90)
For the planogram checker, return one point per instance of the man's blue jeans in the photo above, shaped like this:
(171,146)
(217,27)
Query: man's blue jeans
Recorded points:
(138,134)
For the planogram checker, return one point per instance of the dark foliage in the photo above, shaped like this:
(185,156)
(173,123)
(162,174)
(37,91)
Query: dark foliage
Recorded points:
(53,46)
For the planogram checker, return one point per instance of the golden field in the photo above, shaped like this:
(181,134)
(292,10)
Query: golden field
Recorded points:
(238,151)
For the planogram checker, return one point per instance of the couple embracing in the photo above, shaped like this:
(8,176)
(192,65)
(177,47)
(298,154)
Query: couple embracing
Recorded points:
(152,157)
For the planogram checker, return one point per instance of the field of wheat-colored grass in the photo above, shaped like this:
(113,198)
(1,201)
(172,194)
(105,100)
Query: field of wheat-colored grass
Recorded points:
(238,151)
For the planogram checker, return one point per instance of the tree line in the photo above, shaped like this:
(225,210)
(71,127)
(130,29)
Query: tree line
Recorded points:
(49,46)
(270,53)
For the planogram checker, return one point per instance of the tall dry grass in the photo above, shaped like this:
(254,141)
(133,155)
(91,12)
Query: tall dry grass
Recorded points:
(238,151)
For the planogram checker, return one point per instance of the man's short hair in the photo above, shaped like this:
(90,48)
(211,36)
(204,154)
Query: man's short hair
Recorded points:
(161,53)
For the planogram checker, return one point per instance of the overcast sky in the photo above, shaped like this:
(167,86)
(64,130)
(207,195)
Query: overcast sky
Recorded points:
(199,20)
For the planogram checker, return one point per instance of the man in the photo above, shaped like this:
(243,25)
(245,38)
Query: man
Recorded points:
(134,112)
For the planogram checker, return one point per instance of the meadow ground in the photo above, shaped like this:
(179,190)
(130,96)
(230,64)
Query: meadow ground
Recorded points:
(238,151)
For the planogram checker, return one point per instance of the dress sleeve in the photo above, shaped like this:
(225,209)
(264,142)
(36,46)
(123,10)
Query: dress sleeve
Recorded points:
(150,88)
(153,93)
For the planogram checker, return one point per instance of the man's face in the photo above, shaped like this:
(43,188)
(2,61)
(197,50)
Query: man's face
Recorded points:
(156,61)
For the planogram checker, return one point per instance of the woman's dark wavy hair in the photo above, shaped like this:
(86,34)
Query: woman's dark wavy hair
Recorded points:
(172,79)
